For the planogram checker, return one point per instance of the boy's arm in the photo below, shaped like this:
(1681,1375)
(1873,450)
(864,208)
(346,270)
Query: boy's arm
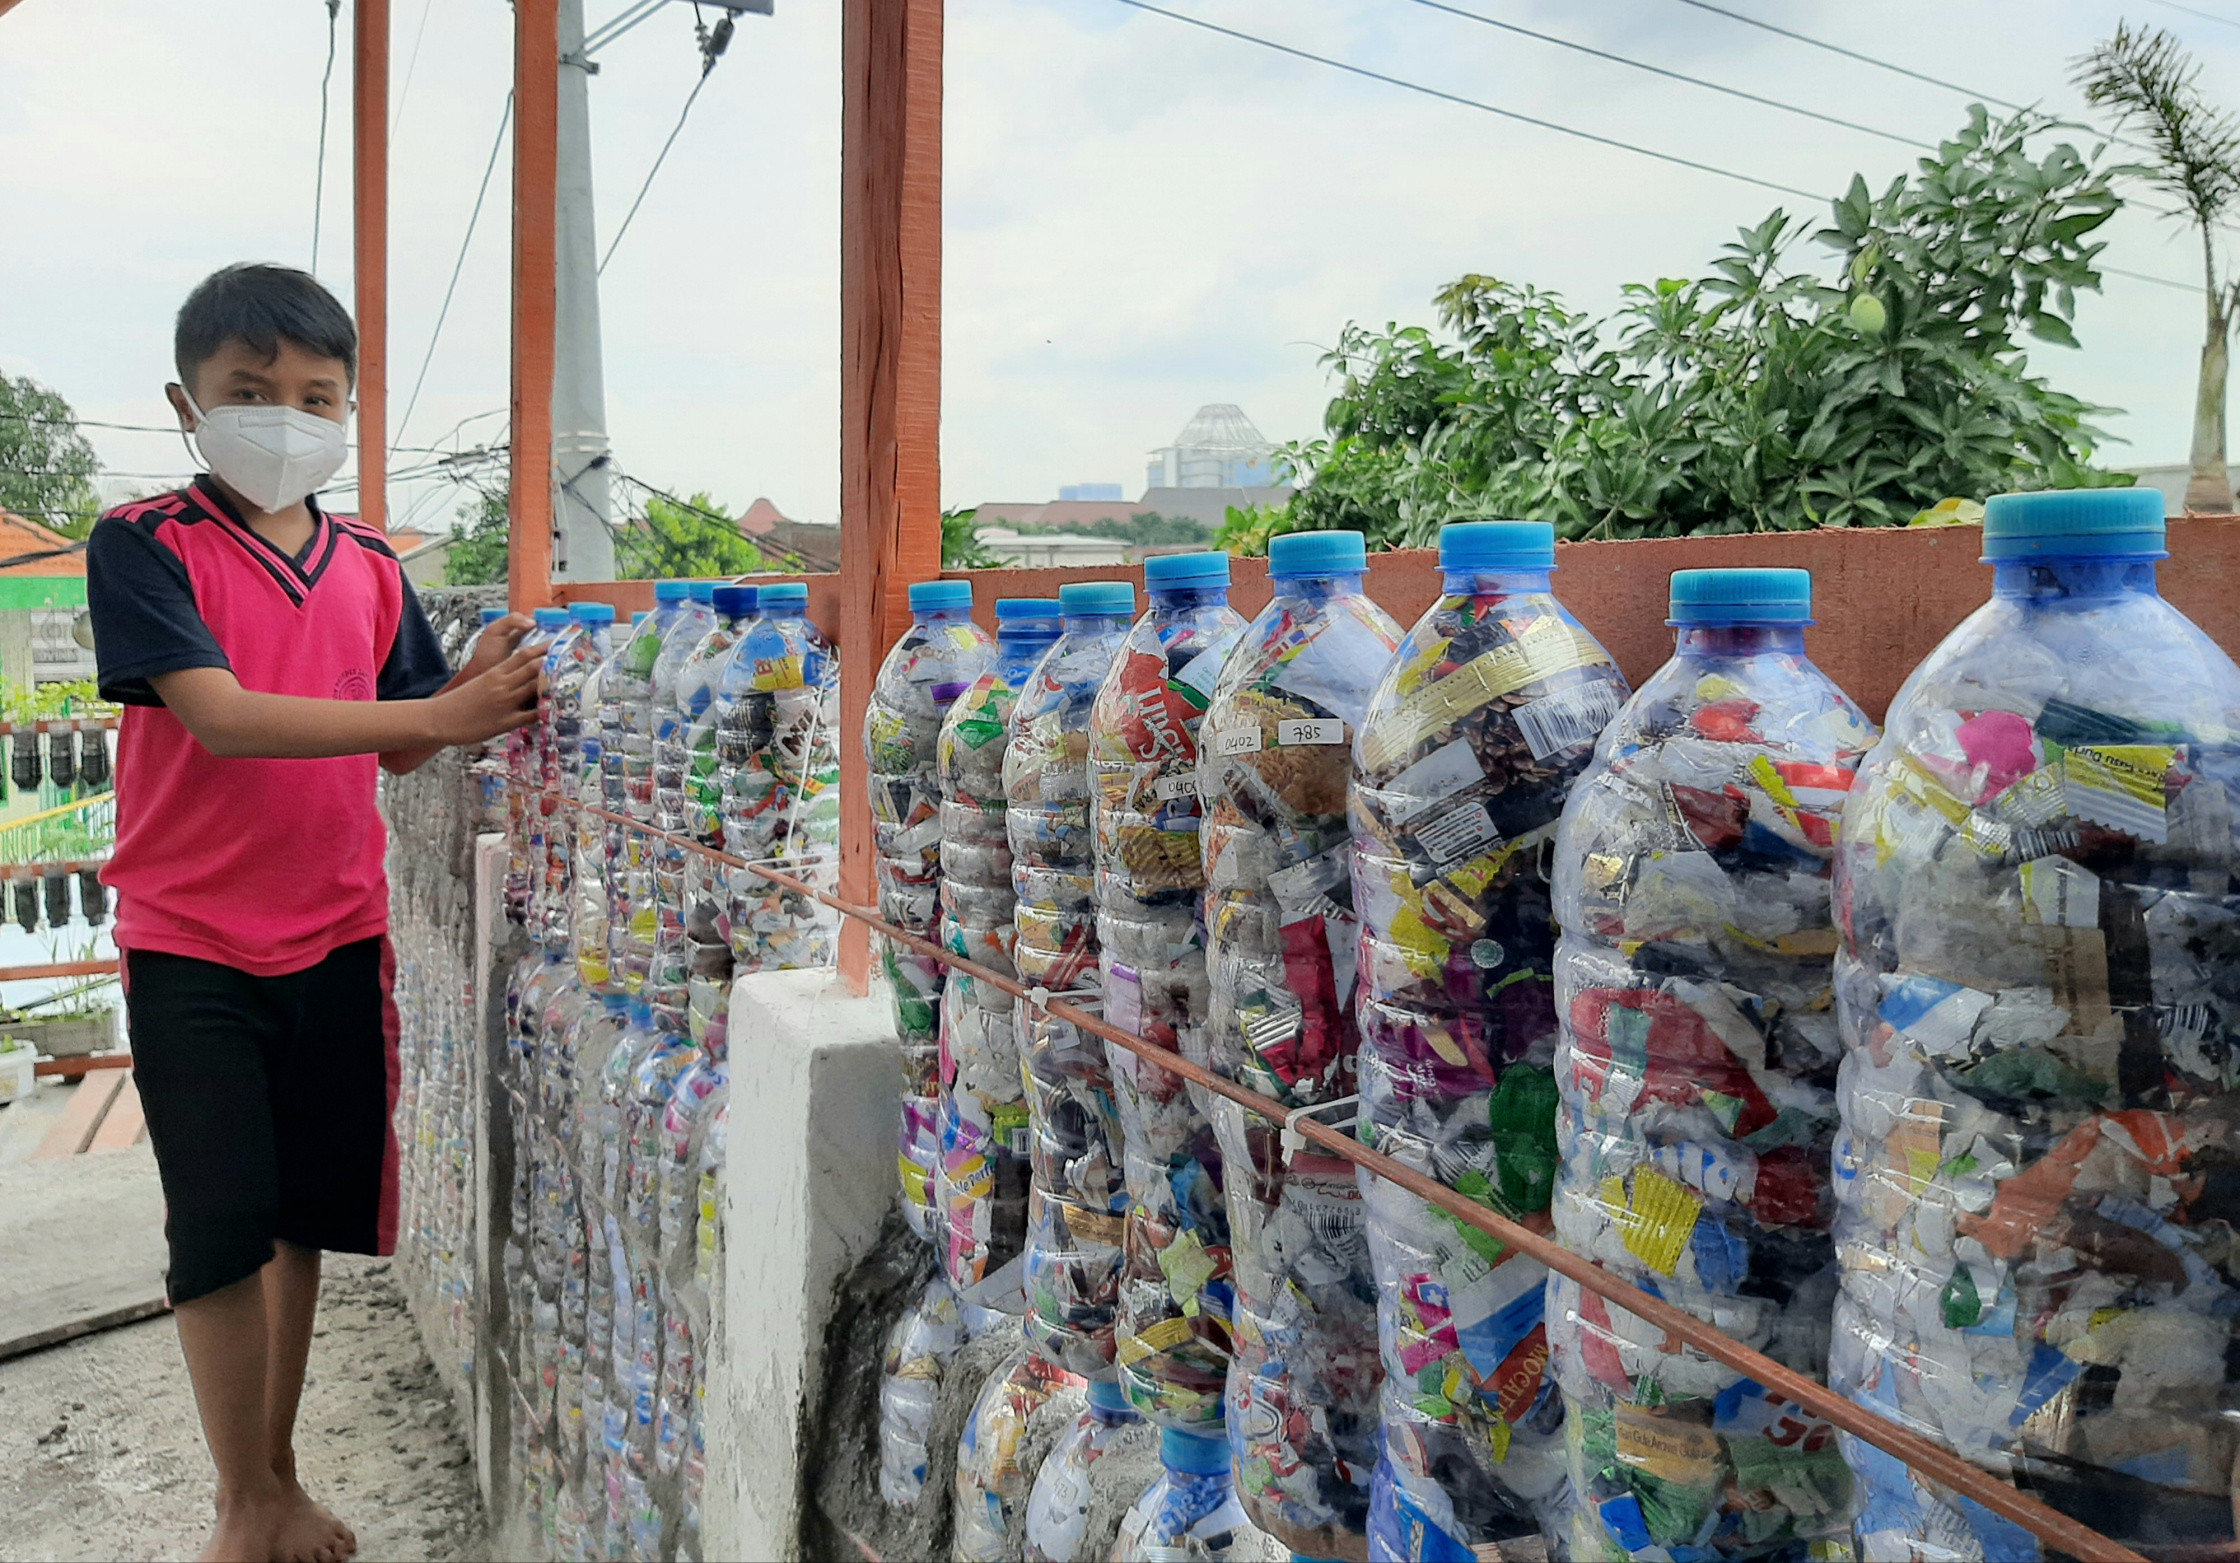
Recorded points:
(237,723)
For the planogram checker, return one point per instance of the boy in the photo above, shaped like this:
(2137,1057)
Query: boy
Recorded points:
(266,653)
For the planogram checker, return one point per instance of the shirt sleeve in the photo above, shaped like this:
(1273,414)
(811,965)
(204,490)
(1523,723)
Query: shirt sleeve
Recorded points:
(145,619)
(415,668)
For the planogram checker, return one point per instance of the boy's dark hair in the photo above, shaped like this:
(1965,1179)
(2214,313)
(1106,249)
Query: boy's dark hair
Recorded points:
(263,306)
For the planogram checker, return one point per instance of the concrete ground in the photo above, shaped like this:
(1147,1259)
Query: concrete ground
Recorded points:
(100,1453)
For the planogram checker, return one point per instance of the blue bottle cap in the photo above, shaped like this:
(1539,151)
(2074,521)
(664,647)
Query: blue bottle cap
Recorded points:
(551,618)
(1114,597)
(1741,597)
(616,1003)
(492,615)
(1171,572)
(1497,545)
(786,596)
(591,612)
(1318,553)
(701,591)
(1107,1395)
(1196,1454)
(736,601)
(934,596)
(2075,523)
(1026,608)
(671,591)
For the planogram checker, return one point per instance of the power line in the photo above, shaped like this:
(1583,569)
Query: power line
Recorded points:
(1693,81)
(404,93)
(1469,103)
(2206,16)
(457,266)
(1851,54)
(319,181)
(712,45)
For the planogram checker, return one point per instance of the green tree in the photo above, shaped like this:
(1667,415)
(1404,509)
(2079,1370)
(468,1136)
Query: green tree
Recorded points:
(46,465)
(960,542)
(478,556)
(1760,396)
(688,539)
(2149,81)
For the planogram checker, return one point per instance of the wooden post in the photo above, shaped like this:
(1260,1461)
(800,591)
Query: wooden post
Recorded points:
(536,156)
(369,194)
(890,376)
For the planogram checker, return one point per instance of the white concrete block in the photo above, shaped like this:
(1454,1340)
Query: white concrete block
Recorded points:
(809,1173)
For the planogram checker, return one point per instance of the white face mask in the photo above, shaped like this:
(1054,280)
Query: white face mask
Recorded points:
(271,456)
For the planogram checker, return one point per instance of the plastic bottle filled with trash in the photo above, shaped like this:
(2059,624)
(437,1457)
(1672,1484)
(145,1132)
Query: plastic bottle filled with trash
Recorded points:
(576,681)
(1020,1411)
(627,722)
(778,748)
(1061,1522)
(2039,987)
(1275,756)
(1079,1198)
(524,762)
(1172,1340)
(918,1351)
(1488,712)
(486,761)
(1192,1510)
(934,662)
(707,894)
(980,1184)
(552,837)
(1697,1081)
(667,982)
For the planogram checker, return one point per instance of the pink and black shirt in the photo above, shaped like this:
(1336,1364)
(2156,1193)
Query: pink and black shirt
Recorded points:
(263,865)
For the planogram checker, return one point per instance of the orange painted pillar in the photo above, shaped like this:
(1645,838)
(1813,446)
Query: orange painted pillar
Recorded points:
(890,377)
(536,163)
(369,193)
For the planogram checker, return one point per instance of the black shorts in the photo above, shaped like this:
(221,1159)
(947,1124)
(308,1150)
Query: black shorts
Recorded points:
(269,1103)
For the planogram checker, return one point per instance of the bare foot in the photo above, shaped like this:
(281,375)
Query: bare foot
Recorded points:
(309,1532)
(247,1524)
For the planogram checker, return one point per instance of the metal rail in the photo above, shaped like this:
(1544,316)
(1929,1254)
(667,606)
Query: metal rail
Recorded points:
(2055,1529)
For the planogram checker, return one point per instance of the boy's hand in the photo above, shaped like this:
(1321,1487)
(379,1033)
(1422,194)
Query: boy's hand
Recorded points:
(491,702)
(498,642)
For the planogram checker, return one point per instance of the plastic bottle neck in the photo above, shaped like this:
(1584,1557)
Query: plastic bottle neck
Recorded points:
(2054,578)
(941,616)
(1496,583)
(1175,600)
(1738,640)
(1090,625)
(1036,639)
(1320,588)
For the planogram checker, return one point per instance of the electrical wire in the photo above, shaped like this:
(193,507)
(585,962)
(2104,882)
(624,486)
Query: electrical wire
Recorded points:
(2206,16)
(319,180)
(1852,54)
(1693,81)
(1469,103)
(457,265)
(404,93)
(712,45)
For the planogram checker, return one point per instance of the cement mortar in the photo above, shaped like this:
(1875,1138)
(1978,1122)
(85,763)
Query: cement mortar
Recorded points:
(841,1511)
(1129,1464)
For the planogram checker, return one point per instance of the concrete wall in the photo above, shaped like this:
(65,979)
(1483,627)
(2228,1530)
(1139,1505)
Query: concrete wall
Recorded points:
(815,1079)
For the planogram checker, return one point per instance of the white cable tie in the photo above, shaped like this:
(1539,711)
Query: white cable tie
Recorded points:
(1294,1141)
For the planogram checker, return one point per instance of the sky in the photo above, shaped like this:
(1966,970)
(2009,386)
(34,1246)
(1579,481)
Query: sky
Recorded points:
(1141,216)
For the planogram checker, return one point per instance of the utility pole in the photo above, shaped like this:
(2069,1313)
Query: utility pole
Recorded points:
(583,507)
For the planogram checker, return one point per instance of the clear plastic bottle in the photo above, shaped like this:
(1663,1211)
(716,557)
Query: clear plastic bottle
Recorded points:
(1076,1210)
(1172,1328)
(2039,990)
(626,712)
(1281,944)
(1697,1081)
(934,662)
(1058,1509)
(701,703)
(576,669)
(918,1351)
(982,1179)
(524,810)
(1486,715)
(995,1465)
(1191,1511)
(778,750)
(486,761)
(667,975)
(552,840)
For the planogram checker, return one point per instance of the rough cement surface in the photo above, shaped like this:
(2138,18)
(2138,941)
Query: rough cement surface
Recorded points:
(80,1220)
(840,1460)
(101,1456)
(1128,1466)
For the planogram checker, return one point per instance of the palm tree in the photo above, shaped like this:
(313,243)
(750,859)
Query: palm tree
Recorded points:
(2149,82)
